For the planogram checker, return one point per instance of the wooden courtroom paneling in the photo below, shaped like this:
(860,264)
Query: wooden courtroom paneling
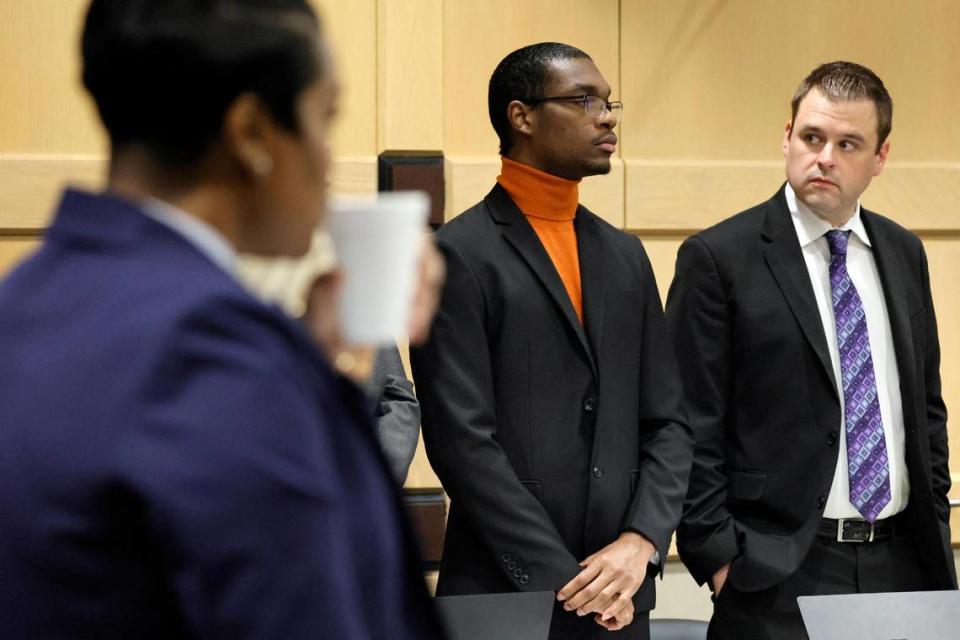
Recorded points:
(351,30)
(44,108)
(410,104)
(13,249)
(943,255)
(672,194)
(712,79)
(708,85)
(662,250)
(32,182)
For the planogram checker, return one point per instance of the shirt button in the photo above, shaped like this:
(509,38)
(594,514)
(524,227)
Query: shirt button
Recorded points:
(590,404)
(597,472)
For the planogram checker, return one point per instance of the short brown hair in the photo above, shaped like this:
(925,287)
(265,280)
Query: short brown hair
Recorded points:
(845,81)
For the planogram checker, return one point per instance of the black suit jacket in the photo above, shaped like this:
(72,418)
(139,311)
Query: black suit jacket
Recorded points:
(551,438)
(764,404)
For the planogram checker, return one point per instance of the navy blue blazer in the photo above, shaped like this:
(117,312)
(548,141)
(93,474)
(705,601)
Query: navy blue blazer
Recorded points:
(177,460)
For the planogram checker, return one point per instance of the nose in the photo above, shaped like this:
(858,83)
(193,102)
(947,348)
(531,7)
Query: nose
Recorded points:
(825,157)
(608,118)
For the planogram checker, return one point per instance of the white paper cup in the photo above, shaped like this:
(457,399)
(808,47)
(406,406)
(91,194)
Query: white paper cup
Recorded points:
(377,241)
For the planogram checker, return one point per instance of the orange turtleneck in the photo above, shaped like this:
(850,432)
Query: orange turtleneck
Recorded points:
(549,204)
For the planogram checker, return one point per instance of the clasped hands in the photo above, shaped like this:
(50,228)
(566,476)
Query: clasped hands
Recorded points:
(609,579)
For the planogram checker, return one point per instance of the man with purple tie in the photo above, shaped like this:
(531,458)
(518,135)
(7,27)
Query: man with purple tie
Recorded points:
(807,342)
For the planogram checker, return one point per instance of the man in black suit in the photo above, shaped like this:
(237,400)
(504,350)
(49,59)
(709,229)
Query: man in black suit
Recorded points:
(551,402)
(806,337)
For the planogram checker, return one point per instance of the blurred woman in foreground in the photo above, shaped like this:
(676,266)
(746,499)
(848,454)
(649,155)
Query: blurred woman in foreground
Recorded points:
(178,459)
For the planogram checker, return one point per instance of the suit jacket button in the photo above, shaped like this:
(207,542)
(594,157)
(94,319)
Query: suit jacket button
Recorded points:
(832,439)
(524,579)
(505,557)
(822,500)
(597,472)
(512,565)
(589,404)
(516,573)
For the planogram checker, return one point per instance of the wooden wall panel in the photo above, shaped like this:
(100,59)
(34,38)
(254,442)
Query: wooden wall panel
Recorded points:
(662,250)
(707,85)
(410,105)
(44,108)
(677,194)
(13,249)
(943,255)
(32,182)
(683,195)
(351,30)
(713,78)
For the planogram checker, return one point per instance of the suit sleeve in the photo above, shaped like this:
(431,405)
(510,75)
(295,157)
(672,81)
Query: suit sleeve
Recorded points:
(454,379)
(398,413)
(666,441)
(246,500)
(936,410)
(701,324)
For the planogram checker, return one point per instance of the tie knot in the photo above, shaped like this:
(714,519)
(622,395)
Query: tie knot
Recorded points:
(837,240)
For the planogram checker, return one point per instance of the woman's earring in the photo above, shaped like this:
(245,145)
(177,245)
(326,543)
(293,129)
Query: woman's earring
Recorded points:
(262,164)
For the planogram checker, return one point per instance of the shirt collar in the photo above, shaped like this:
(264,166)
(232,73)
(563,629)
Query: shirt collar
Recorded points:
(811,227)
(204,237)
(537,193)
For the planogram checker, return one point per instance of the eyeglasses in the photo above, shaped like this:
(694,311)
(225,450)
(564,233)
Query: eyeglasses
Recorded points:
(592,105)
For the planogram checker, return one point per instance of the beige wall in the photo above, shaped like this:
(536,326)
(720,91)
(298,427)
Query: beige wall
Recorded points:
(706,85)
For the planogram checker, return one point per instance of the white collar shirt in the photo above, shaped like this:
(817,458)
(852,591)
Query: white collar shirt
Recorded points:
(201,235)
(862,268)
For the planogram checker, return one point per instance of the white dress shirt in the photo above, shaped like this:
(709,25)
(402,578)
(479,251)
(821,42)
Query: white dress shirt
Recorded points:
(862,268)
(205,238)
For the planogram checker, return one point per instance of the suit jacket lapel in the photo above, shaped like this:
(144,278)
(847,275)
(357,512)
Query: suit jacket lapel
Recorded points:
(592,281)
(890,265)
(518,232)
(785,258)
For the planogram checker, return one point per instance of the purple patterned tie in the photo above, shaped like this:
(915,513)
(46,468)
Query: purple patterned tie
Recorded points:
(866,448)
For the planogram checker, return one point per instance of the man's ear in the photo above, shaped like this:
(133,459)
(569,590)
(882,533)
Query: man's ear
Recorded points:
(248,135)
(787,130)
(881,160)
(521,116)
